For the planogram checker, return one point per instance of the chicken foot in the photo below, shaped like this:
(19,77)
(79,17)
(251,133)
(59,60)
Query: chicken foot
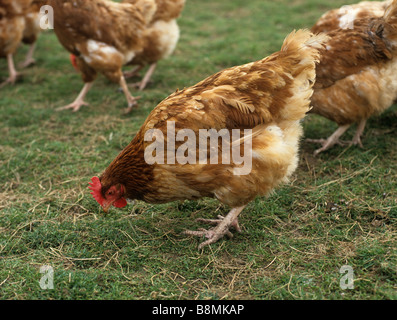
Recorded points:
(359,132)
(76,104)
(29,60)
(334,138)
(12,71)
(215,222)
(331,141)
(223,224)
(132,101)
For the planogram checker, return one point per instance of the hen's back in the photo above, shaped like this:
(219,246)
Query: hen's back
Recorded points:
(115,24)
(348,16)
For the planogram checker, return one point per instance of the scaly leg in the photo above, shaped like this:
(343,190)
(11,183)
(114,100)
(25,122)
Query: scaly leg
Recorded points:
(132,101)
(29,57)
(221,229)
(12,71)
(360,129)
(331,141)
(76,104)
(142,85)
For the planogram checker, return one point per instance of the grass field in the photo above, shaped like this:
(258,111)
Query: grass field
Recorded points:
(340,209)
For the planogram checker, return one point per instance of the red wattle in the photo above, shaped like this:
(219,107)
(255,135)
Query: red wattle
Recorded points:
(74,62)
(121,203)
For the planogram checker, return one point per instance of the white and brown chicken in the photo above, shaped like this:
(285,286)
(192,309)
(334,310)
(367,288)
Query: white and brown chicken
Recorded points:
(103,36)
(357,73)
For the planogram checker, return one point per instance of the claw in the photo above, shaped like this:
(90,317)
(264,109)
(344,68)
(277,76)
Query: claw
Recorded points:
(223,224)
(75,106)
(132,104)
(212,235)
(11,80)
(215,222)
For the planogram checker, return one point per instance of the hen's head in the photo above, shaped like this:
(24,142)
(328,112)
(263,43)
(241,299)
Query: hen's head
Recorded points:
(108,196)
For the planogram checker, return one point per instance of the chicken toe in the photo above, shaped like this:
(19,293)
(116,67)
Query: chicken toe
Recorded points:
(331,141)
(213,235)
(223,224)
(132,104)
(11,80)
(76,104)
(234,223)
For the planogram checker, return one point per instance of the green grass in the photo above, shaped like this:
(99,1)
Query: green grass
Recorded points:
(340,208)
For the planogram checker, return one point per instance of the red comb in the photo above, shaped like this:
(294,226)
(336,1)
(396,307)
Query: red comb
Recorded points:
(96,187)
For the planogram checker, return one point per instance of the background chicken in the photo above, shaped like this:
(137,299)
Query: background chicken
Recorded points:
(32,30)
(348,15)
(269,96)
(160,37)
(12,26)
(356,77)
(104,36)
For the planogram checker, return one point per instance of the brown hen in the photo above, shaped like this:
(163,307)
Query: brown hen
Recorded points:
(265,100)
(32,30)
(12,26)
(356,77)
(160,38)
(104,36)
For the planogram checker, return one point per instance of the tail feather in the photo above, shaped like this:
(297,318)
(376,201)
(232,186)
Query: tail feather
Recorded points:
(305,40)
(390,15)
(302,51)
(386,27)
(305,47)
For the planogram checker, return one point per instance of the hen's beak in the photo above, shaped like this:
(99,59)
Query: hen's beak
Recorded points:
(107,205)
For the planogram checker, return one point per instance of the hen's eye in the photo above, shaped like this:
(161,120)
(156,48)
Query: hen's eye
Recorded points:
(110,193)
